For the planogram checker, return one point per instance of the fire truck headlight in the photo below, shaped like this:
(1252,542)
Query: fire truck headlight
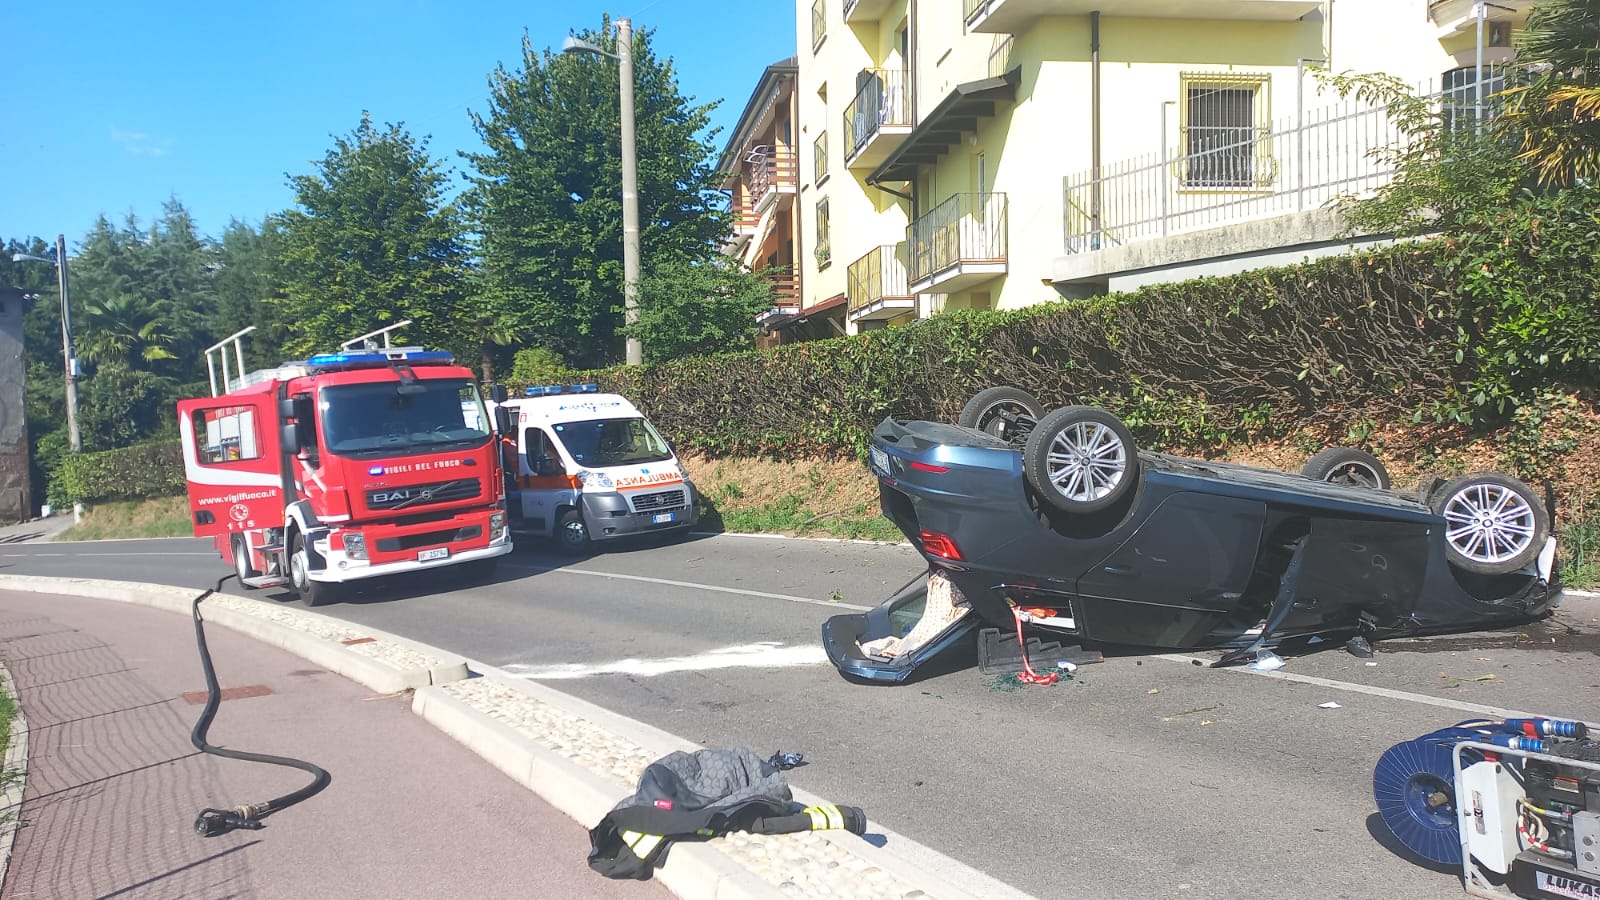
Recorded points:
(355,545)
(497,526)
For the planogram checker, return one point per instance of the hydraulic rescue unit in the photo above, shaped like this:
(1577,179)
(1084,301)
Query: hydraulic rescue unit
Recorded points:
(372,461)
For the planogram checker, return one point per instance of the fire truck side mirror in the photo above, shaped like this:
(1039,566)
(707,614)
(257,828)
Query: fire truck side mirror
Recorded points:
(286,408)
(497,393)
(502,419)
(290,435)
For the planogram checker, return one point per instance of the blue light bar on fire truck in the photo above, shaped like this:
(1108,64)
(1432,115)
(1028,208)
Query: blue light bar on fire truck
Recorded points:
(550,390)
(368,359)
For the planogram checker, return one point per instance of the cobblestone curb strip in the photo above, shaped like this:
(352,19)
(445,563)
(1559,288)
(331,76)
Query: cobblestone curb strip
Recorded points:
(13,776)
(579,757)
(386,663)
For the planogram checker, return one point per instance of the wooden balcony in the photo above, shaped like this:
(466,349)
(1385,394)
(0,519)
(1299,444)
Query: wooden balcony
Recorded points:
(877,285)
(772,177)
(958,244)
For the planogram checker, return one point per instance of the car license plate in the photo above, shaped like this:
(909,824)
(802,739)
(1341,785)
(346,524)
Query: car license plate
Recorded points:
(435,553)
(880,460)
(661,517)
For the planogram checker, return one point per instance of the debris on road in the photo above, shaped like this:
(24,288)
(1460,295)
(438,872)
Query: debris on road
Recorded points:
(1331,704)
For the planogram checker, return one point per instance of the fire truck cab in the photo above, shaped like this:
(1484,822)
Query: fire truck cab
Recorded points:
(345,466)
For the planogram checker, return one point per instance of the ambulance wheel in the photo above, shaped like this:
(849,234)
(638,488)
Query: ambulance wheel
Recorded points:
(572,535)
(311,593)
(241,562)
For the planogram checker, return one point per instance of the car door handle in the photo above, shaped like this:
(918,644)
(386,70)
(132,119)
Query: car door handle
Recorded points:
(1118,570)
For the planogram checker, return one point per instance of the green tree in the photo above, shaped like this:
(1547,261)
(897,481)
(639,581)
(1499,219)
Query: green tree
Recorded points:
(546,195)
(125,330)
(1444,167)
(372,242)
(246,281)
(1556,117)
(696,309)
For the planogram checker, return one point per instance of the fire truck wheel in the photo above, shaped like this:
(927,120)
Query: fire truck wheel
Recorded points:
(311,593)
(571,533)
(241,562)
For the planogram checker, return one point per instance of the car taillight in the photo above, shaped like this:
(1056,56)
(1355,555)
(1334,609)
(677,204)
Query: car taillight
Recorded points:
(930,467)
(940,545)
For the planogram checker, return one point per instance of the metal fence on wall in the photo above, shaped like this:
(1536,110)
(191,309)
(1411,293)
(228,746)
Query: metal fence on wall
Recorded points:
(1235,168)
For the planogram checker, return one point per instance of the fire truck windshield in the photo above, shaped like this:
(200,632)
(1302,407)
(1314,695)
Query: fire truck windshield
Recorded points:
(377,419)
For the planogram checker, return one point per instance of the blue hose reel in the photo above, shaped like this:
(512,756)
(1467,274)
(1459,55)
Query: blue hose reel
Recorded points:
(1414,781)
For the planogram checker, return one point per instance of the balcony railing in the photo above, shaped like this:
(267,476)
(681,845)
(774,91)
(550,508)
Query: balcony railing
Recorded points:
(877,284)
(971,9)
(963,236)
(785,283)
(819,159)
(819,23)
(772,171)
(1236,175)
(880,101)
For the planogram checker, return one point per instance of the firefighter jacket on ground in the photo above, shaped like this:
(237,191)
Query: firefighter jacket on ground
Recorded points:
(700,795)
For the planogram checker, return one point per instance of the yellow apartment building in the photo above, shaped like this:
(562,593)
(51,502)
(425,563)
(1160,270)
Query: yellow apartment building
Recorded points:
(947,150)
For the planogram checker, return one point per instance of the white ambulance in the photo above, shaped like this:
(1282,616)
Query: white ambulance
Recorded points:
(589,467)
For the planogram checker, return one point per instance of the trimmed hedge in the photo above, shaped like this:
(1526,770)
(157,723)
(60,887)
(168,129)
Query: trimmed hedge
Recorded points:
(131,473)
(1194,363)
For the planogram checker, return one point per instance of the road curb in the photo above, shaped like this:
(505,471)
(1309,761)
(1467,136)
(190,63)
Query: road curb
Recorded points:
(694,871)
(359,657)
(12,789)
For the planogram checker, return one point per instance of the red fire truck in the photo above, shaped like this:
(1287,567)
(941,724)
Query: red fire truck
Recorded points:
(372,461)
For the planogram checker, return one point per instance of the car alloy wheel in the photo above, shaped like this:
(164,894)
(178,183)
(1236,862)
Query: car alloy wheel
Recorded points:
(1007,413)
(1081,458)
(1494,524)
(1347,465)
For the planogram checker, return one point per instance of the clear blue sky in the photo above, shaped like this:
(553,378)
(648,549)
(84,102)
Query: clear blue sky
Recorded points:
(114,107)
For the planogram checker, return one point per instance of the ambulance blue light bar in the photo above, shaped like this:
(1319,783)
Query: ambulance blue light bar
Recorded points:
(371,359)
(550,390)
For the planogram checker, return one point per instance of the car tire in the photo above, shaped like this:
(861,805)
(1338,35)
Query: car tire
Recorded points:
(1081,459)
(241,563)
(1347,465)
(311,593)
(1494,524)
(572,534)
(1007,413)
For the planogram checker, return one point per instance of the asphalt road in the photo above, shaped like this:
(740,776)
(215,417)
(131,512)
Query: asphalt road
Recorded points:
(1143,776)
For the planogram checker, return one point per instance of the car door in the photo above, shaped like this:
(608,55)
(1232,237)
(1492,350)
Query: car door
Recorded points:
(1184,570)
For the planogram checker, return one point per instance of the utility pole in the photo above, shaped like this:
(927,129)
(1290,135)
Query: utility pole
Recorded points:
(66,345)
(630,194)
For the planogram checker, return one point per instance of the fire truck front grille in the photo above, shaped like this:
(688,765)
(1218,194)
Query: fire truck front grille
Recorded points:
(423,494)
(427,539)
(658,500)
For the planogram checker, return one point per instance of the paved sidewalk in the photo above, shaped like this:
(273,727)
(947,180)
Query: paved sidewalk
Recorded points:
(114,785)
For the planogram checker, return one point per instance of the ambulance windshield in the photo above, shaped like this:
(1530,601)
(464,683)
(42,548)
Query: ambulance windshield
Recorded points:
(599,443)
(377,419)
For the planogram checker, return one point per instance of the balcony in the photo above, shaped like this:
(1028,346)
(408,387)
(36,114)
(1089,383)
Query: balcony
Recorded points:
(785,295)
(877,285)
(878,119)
(1452,17)
(958,244)
(858,11)
(1014,16)
(742,222)
(772,177)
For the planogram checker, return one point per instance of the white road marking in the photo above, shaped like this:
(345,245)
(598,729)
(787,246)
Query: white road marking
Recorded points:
(694,586)
(764,655)
(1389,693)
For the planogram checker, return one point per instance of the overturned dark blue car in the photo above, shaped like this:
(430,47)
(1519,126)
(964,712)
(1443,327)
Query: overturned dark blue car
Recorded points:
(1056,523)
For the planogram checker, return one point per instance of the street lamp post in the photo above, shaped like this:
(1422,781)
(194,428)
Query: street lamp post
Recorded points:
(630,179)
(66,336)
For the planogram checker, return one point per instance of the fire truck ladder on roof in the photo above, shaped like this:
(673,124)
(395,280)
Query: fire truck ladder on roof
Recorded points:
(221,348)
(365,339)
